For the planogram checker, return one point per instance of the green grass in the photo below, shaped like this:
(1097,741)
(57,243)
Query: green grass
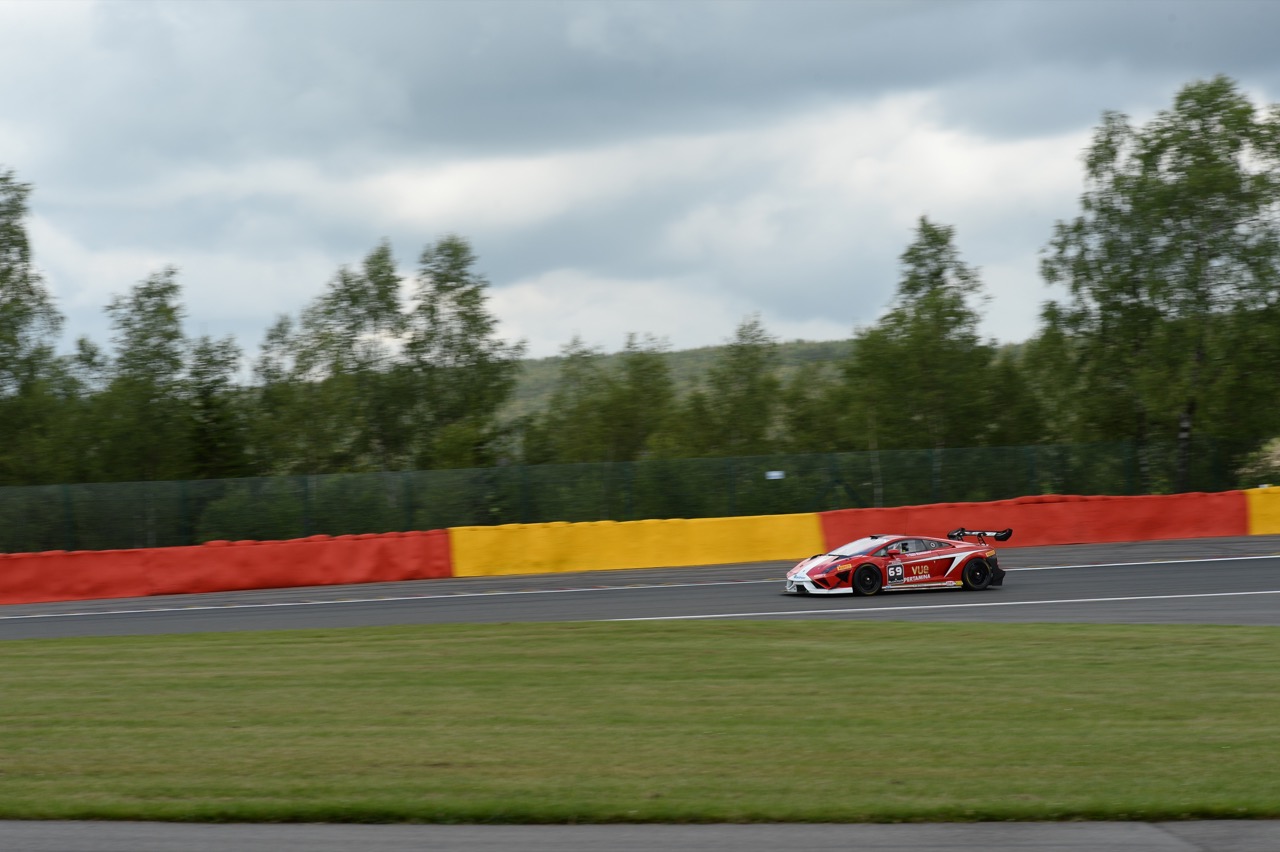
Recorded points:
(765,721)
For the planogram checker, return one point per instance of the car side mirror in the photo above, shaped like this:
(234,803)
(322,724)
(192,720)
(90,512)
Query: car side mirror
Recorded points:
(894,553)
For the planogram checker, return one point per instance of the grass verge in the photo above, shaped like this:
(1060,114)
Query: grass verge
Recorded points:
(726,722)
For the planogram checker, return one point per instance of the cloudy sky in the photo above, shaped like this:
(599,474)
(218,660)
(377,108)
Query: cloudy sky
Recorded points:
(664,168)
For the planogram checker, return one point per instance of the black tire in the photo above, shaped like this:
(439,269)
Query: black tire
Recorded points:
(867,580)
(977,575)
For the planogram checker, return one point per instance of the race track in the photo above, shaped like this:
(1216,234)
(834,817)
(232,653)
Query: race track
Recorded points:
(1199,581)
(1203,581)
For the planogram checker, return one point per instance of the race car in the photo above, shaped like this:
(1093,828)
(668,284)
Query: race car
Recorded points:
(867,565)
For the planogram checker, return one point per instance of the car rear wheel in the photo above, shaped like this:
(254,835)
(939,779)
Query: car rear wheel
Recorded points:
(976,575)
(866,580)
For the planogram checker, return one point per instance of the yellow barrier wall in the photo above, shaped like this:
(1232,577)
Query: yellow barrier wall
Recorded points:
(1264,510)
(613,545)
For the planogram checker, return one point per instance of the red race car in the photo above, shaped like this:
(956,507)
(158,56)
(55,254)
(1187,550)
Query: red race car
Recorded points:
(866,566)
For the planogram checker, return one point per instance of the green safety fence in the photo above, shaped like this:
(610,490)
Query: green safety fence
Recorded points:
(104,516)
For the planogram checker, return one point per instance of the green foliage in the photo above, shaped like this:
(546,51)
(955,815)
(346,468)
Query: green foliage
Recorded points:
(331,384)
(1155,362)
(921,376)
(1261,467)
(28,320)
(602,410)
(461,371)
(366,379)
(734,411)
(28,325)
(141,414)
(1173,262)
(218,414)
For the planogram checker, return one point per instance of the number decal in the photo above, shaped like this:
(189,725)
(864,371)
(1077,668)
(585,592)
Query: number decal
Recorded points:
(895,573)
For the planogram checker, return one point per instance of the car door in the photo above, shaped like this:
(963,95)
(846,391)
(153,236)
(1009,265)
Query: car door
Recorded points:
(916,562)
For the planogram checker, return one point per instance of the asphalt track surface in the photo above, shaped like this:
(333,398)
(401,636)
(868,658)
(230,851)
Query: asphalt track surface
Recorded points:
(1233,581)
(1199,581)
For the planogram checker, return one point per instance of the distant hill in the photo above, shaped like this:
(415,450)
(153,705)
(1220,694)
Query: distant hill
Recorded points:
(538,376)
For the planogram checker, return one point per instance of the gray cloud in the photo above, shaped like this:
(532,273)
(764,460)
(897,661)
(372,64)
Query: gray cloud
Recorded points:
(236,139)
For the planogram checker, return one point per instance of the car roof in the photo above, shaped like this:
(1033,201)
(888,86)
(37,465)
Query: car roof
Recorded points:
(877,540)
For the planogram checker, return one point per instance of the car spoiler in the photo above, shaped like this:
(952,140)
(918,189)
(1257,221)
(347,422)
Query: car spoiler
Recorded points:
(981,535)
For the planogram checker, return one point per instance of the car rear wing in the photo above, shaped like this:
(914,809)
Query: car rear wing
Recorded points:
(981,535)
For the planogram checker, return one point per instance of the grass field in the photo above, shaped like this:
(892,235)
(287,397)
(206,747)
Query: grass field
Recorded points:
(765,721)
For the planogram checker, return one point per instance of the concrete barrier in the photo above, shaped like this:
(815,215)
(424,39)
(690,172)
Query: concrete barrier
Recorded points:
(223,566)
(1056,519)
(613,545)
(1264,511)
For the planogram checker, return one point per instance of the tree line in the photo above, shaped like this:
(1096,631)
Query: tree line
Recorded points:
(1166,336)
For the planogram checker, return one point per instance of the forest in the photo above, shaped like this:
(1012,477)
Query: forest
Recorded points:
(1164,340)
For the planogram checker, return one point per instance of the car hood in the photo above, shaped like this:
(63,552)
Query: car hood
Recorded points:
(815,565)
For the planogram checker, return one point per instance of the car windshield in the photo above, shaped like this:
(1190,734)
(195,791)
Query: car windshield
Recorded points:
(863,546)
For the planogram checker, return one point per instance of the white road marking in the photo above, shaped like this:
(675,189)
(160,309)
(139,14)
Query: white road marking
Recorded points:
(384,599)
(629,587)
(1151,562)
(926,608)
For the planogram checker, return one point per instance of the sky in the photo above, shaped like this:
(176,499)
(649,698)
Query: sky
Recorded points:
(664,169)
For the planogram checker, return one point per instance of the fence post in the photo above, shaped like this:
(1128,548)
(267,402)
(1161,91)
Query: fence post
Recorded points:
(1033,486)
(306,506)
(629,503)
(406,479)
(732,488)
(1130,469)
(184,508)
(936,478)
(523,474)
(69,518)
(833,482)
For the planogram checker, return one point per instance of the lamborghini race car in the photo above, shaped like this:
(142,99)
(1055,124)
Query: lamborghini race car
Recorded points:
(866,566)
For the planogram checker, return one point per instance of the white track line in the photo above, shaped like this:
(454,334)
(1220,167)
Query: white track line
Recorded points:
(1148,562)
(630,587)
(880,609)
(386,599)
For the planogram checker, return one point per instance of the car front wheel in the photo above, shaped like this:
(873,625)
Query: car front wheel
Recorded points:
(866,580)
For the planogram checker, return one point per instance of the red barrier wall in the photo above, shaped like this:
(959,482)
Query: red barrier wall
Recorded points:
(1055,519)
(224,566)
(387,557)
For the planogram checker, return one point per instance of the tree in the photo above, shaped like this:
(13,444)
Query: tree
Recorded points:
(571,429)
(141,416)
(461,372)
(735,411)
(365,380)
(815,410)
(921,376)
(29,323)
(603,409)
(218,419)
(283,431)
(641,396)
(342,374)
(1178,237)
